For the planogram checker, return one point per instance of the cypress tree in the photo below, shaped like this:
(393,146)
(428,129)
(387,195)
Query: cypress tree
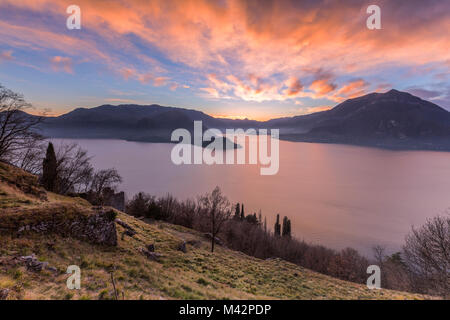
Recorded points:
(277,228)
(49,169)
(286,227)
(237,212)
(242,212)
(265,225)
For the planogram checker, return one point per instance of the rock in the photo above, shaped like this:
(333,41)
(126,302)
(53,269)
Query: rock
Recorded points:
(273,259)
(151,247)
(151,255)
(52,269)
(154,256)
(27,258)
(98,227)
(182,247)
(4,294)
(127,233)
(129,230)
(33,264)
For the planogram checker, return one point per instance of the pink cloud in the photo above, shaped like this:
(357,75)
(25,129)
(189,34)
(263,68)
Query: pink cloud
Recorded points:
(127,73)
(253,88)
(211,92)
(62,64)
(351,90)
(294,87)
(322,86)
(6,55)
(160,81)
(145,78)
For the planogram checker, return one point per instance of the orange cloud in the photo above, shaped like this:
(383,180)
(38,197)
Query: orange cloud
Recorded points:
(211,92)
(351,90)
(201,32)
(322,86)
(294,87)
(253,88)
(244,39)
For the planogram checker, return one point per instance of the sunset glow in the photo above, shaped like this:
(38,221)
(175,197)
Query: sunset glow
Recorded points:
(236,59)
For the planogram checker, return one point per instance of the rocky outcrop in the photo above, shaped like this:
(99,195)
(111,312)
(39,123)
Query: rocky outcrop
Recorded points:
(182,247)
(98,227)
(33,264)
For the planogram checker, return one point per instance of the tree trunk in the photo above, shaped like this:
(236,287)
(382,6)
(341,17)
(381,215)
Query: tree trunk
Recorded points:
(212,231)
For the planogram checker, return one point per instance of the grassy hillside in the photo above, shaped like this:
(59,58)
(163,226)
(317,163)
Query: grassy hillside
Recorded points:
(196,274)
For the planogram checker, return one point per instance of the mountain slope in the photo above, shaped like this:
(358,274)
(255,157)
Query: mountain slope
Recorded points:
(196,274)
(392,120)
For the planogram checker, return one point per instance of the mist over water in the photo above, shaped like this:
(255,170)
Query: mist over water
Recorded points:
(336,195)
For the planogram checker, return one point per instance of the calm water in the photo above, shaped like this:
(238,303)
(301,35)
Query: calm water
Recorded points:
(335,195)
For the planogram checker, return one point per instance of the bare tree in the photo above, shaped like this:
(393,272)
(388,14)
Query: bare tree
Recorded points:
(217,207)
(102,179)
(427,253)
(107,178)
(17,128)
(379,254)
(74,168)
(30,157)
(349,265)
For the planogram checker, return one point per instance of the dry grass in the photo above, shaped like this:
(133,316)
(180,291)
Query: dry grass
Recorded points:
(197,274)
(20,179)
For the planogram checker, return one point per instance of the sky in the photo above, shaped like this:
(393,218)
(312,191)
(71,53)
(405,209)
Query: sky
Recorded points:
(255,59)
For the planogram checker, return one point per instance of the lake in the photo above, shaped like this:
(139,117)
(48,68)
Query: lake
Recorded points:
(335,195)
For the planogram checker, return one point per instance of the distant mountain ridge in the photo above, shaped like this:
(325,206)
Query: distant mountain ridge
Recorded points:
(394,119)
